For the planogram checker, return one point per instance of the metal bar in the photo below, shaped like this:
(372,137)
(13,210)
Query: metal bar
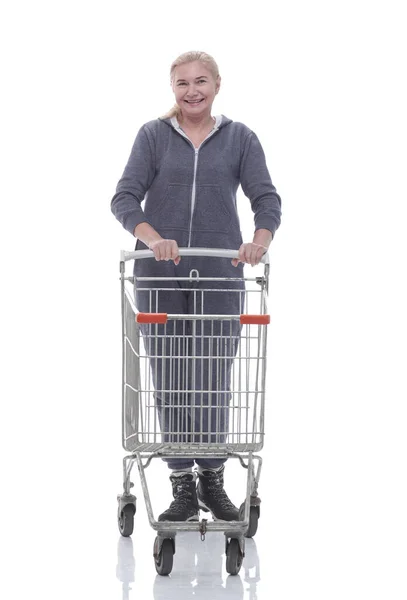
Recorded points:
(152,389)
(218,290)
(177,370)
(128,462)
(210,378)
(146,494)
(248,357)
(201,386)
(123,309)
(263,383)
(191,317)
(202,252)
(249,486)
(151,278)
(193,374)
(256,395)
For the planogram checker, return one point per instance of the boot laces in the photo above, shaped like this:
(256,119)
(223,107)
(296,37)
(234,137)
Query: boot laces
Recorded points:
(215,485)
(183,494)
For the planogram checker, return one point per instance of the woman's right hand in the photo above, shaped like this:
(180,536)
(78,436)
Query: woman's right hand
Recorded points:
(165,250)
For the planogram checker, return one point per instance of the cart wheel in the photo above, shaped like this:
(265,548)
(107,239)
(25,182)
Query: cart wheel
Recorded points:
(234,557)
(253,519)
(163,561)
(126,520)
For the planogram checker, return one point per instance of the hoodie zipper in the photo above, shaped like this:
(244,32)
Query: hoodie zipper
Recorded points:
(193,196)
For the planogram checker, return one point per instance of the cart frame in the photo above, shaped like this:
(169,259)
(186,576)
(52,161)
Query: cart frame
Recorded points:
(144,448)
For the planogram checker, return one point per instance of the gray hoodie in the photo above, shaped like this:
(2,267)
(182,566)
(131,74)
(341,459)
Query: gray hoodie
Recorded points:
(189,193)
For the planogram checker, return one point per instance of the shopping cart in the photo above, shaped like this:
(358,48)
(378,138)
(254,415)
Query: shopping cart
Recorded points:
(166,397)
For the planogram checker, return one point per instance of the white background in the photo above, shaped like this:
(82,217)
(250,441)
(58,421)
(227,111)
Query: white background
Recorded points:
(323,86)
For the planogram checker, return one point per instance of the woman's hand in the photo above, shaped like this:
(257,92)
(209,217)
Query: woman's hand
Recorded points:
(250,253)
(165,250)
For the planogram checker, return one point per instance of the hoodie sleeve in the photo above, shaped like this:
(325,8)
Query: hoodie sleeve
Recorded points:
(258,187)
(137,178)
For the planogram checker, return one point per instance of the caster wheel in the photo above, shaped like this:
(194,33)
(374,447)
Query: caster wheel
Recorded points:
(126,520)
(253,519)
(164,559)
(234,557)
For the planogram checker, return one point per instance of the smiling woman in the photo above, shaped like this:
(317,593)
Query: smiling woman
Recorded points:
(195,81)
(187,166)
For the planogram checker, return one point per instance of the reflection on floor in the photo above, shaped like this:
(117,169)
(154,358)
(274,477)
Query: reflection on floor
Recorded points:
(198,570)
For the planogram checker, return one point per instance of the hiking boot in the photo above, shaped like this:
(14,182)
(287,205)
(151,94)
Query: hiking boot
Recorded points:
(213,498)
(184,507)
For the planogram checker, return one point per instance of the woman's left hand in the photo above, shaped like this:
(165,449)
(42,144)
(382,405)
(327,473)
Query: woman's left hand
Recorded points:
(250,253)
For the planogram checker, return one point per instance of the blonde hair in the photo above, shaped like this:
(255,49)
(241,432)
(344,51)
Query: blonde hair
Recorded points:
(183,59)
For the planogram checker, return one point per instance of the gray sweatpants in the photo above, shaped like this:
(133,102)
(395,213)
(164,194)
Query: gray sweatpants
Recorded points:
(191,360)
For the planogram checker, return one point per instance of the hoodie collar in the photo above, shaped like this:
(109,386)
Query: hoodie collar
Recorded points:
(176,125)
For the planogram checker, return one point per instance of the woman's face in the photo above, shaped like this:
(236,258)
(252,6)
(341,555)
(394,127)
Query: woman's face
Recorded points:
(195,89)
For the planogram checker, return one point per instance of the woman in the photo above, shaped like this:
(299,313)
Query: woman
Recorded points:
(188,165)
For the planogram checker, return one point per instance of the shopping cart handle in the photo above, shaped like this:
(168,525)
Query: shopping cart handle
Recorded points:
(204,252)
